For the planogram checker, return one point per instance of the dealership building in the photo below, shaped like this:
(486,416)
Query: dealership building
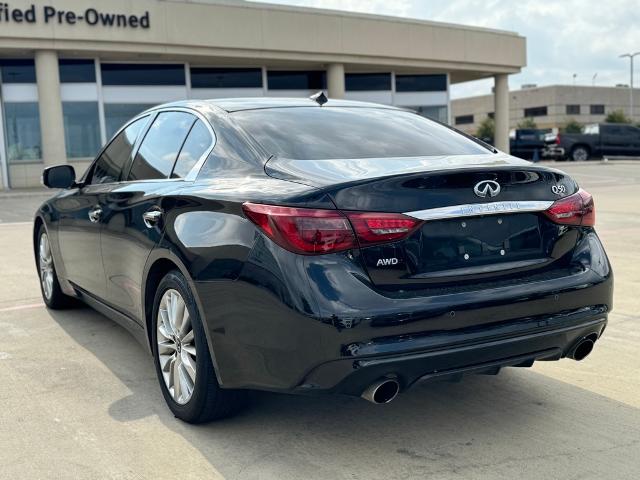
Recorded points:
(549,106)
(73,71)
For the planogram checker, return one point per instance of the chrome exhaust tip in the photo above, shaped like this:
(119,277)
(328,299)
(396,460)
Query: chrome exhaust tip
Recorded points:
(382,391)
(582,349)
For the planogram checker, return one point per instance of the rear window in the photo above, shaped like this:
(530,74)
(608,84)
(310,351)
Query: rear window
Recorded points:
(312,133)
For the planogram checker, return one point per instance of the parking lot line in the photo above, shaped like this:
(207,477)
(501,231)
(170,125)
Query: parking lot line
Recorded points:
(21,307)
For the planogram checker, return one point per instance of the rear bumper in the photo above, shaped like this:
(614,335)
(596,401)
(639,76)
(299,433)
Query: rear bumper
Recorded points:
(518,343)
(553,151)
(318,326)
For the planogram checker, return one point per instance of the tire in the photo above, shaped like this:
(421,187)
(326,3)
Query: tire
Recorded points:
(49,284)
(579,154)
(182,359)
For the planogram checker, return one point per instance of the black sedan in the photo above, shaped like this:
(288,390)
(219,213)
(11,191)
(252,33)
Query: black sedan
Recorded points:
(299,246)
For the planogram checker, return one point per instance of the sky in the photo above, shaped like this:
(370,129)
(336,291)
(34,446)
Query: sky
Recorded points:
(564,37)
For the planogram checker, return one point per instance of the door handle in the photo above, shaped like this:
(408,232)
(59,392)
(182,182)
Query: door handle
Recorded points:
(151,218)
(95,214)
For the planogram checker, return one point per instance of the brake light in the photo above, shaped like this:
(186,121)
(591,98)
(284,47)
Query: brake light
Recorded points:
(375,228)
(576,209)
(315,231)
(558,139)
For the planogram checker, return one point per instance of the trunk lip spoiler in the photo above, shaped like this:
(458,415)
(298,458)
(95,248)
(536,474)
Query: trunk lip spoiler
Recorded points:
(479,209)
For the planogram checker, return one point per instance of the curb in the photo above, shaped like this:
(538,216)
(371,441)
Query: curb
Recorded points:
(20,193)
(593,162)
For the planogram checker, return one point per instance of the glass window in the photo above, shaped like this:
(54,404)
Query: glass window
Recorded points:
(142,74)
(18,71)
(22,123)
(196,144)
(439,113)
(464,119)
(597,109)
(535,112)
(226,77)
(297,80)
(160,147)
(421,83)
(109,165)
(81,129)
(75,71)
(592,129)
(117,114)
(573,109)
(310,133)
(367,81)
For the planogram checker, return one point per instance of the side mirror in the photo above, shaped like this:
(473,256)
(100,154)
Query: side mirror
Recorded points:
(59,176)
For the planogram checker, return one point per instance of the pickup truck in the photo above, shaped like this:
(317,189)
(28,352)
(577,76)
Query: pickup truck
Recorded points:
(525,142)
(597,140)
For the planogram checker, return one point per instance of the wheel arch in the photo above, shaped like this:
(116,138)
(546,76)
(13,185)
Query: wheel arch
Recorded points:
(37,223)
(159,263)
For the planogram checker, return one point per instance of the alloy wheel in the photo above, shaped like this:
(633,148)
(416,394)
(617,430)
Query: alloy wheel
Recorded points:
(176,346)
(45,264)
(580,154)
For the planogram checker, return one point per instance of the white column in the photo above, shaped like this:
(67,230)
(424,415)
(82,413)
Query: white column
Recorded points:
(501,109)
(4,168)
(335,80)
(50,105)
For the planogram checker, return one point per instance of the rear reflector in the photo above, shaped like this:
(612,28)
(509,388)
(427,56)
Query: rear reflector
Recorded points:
(315,231)
(576,209)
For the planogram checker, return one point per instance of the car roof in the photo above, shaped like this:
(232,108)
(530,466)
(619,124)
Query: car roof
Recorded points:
(256,103)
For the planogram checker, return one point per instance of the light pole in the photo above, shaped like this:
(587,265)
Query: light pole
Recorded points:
(630,56)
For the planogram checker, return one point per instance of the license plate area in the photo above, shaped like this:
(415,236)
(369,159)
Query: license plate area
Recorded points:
(476,241)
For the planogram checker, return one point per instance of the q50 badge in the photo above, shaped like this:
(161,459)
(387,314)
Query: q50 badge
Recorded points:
(559,189)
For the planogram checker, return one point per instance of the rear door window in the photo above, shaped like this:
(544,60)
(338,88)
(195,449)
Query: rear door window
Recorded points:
(197,143)
(109,165)
(159,149)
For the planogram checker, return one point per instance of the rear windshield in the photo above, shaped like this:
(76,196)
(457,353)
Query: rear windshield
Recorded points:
(314,133)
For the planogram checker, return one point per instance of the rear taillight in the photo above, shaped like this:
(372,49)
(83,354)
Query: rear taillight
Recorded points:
(375,228)
(576,209)
(315,231)
(558,139)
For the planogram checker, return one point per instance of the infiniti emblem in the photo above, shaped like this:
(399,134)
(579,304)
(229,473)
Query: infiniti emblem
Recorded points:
(487,188)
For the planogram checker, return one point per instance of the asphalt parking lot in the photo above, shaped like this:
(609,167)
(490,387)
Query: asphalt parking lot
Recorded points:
(79,397)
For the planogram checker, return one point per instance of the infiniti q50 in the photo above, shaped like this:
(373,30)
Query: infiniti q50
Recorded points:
(299,246)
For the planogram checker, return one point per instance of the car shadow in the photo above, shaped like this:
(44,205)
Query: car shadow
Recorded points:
(519,423)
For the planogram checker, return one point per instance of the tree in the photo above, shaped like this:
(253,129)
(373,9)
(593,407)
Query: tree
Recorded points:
(486,130)
(617,116)
(572,126)
(527,123)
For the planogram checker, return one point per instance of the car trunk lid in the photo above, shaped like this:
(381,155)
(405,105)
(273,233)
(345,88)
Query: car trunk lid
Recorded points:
(482,214)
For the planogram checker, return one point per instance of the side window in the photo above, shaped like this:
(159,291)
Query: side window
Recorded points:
(109,165)
(160,147)
(196,144)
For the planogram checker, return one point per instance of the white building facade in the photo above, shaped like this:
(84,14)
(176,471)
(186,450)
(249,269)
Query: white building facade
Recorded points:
(70,75)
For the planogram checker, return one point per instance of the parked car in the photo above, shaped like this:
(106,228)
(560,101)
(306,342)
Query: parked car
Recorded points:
(597,140)
(348,248)
(527,143)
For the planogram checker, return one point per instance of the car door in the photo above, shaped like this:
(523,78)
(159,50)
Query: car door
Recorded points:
(133,212)
(79,213)
(613,140)
(632,135)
